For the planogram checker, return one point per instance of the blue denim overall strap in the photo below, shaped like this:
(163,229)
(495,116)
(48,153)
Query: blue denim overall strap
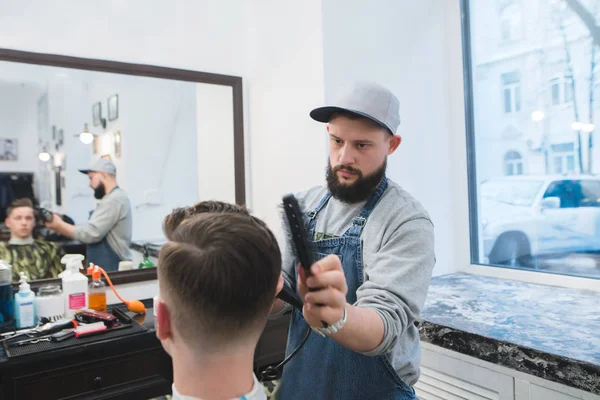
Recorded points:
(100,253)
(323,369)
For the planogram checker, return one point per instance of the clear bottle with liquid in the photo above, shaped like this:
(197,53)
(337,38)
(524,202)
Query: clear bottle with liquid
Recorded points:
(25,304)
(96,290)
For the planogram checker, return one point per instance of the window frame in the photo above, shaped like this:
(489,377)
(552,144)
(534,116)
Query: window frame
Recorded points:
(561,82)
(468,234)
(513,162)
(515,93)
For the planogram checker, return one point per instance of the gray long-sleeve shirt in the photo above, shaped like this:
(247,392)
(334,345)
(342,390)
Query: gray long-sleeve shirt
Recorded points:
(112,220)
(398,260)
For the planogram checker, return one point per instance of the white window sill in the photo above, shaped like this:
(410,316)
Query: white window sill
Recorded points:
(534,277)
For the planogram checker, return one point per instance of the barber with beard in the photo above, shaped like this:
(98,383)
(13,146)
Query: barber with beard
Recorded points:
(374,246)
(107,233)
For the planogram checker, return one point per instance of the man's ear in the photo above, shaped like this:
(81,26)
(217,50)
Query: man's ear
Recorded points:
(395,141)
(164,328)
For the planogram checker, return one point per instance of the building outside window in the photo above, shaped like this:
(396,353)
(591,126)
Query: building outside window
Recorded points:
(533,102)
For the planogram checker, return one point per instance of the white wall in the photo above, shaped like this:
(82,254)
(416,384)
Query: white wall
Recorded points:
(214,111)
(414,49)
(284,81)
(291,55)
(275,46)
(18,120)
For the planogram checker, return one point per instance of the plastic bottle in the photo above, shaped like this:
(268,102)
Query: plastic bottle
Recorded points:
(7,307)
(97,290)
(75,284)
(146,263)
(24,304)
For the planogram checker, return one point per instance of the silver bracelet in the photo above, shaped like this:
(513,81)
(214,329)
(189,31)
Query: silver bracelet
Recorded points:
(333,328)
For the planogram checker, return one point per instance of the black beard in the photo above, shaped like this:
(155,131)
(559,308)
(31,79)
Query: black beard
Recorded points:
(100,191)
(358,191)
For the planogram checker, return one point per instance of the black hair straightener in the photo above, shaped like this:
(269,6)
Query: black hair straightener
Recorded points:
(300,243)
(301,248)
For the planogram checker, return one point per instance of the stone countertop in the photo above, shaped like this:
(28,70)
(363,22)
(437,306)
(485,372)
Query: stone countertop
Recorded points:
(549,332)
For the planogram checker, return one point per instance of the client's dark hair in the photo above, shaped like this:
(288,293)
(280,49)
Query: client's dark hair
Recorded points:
(178,215)
(219,272)
(18,203)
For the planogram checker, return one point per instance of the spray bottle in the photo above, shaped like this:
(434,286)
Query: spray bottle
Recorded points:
(24,304)
(97,289)
(75,284)
(146,263)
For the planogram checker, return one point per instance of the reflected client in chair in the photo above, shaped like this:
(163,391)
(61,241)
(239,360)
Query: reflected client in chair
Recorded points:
(38,258)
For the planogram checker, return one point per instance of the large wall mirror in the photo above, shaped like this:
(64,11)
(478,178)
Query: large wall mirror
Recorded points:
(175,137)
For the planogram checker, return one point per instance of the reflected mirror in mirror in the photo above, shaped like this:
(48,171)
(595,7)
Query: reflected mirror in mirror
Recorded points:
(145,145)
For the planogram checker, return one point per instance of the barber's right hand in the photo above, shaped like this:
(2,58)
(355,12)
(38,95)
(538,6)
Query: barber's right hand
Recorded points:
(328,299)
(56,220)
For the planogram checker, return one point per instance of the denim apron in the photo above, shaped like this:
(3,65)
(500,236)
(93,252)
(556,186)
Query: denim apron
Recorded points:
(324,369)
(100,253)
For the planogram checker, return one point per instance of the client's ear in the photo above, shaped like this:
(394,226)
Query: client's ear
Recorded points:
(163,321)
(280,283)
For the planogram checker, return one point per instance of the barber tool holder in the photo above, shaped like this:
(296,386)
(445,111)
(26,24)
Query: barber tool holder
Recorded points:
(124,363)
(125,326)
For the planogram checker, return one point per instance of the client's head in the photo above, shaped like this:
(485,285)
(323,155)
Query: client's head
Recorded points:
(20,219)
(218,276)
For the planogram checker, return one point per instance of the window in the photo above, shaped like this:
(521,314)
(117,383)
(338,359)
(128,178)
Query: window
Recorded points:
(561,90)
(567,191)
(513,163)
(512,92)
(590,190)
(511,23)
(563,156)
(534,198)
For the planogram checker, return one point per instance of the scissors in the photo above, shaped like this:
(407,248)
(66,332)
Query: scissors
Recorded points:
(31,341)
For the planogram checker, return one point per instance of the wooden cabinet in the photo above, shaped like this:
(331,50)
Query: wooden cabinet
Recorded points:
(132,375)
(128,367)
(141,373)
(444,377)
(449,375)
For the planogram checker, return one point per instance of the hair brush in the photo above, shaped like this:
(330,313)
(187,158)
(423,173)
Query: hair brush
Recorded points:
(300,244)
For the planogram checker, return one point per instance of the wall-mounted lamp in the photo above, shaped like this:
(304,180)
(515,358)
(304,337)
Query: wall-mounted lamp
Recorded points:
(44,156)
(86,136)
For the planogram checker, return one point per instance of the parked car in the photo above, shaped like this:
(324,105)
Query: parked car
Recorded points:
(527,216)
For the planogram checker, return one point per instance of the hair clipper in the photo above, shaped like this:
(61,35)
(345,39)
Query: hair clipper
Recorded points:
(45,214)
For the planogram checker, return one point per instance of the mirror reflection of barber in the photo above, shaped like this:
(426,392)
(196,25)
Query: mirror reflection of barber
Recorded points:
(107,234)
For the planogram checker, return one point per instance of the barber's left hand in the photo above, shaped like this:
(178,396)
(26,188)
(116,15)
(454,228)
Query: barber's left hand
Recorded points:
(326,304)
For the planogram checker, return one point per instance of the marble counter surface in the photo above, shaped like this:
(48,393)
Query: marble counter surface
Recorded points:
(549,332)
